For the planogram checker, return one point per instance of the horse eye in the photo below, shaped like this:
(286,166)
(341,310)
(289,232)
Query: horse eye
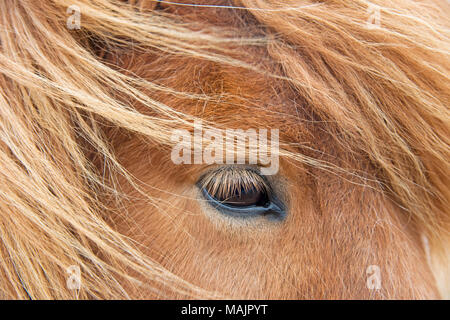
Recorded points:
(244,198)
(241,194)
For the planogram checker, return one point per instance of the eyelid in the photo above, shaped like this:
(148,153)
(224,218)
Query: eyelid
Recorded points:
(228,180)
(274,210)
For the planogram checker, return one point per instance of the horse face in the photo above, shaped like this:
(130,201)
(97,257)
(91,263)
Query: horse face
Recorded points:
(329,236)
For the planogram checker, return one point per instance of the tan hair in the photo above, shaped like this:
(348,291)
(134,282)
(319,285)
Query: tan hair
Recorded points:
(384,92)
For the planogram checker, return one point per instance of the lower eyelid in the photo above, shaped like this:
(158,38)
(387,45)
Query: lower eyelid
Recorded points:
(273,211)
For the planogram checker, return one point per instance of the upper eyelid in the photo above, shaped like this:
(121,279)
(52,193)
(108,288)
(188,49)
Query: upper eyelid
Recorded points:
(258,182)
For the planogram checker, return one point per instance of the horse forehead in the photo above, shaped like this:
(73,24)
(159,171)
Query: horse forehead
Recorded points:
(207,9)
(247,98)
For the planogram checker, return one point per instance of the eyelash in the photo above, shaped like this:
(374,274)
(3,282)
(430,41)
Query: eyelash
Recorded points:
(228,180)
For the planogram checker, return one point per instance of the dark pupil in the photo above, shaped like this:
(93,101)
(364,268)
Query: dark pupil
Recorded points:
(244,198)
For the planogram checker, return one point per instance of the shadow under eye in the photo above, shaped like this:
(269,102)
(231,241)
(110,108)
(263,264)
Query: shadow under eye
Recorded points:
(271,209)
